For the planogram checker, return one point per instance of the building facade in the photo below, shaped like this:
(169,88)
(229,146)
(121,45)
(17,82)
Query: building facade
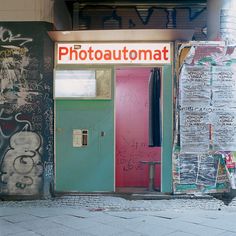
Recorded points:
(27,133)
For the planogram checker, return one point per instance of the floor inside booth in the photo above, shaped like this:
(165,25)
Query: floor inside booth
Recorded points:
(130,190)
(141,193)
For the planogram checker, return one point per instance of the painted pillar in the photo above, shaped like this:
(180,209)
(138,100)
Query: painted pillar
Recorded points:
(167,122)
(26,110)
(221,21)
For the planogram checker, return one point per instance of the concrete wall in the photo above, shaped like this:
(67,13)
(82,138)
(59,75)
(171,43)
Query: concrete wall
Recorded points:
(62,19)
(53,11)
(221,20)
(26,10)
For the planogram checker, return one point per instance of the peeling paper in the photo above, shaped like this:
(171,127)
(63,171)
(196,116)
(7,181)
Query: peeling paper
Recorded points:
(206,114)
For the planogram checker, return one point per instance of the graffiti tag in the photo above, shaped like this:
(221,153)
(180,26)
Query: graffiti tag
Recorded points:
(7,36)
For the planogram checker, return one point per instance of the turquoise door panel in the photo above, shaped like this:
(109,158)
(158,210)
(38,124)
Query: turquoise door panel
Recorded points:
(167,129)
(88,168)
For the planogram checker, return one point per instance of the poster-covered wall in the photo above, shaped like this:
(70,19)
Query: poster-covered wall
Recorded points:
(26,109)
(205,143)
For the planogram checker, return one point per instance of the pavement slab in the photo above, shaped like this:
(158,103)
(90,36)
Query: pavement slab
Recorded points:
(116,216)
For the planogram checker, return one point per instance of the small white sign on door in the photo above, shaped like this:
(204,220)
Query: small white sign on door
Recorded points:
(77,138)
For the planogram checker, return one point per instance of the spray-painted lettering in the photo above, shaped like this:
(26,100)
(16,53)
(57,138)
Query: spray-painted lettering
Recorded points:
(7,36)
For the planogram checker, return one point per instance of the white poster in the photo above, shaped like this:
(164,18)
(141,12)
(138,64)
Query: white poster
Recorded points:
(224,130)
(195,87)
(194,132)
(223,86)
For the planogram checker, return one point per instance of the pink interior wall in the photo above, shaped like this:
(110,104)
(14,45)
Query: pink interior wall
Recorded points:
(132,129)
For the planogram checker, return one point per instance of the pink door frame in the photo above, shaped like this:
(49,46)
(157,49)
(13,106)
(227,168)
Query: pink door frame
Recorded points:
(131,115)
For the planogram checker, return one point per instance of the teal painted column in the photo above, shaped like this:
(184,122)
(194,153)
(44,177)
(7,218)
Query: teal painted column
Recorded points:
(167,135)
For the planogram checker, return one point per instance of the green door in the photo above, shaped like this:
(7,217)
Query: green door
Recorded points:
(89,167)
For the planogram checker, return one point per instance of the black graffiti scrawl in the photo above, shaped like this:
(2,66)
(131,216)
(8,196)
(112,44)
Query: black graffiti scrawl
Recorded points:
(26,109)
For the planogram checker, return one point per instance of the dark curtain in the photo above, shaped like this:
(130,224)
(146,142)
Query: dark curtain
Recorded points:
(155,108)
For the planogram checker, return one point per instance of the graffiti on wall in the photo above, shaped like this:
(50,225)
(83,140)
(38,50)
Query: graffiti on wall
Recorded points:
(25,115)
(6,35)
(144,17)
(22,163)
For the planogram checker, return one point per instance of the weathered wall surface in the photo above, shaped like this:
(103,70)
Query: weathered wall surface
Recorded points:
(26,10)
(204,157)
(26,109)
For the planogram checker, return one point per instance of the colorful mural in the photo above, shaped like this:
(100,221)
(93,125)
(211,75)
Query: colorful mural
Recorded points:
(26,108)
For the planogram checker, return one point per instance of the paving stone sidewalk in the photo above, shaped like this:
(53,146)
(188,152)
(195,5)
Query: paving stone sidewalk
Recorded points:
(107,215)
(118,203)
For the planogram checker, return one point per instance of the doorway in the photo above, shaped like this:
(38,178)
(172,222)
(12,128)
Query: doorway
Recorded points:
(132,130)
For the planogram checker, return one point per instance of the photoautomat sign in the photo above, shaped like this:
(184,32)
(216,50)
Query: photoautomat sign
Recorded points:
(113,53)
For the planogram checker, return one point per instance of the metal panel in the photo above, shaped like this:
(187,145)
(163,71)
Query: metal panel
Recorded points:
(167,124)
(90,167)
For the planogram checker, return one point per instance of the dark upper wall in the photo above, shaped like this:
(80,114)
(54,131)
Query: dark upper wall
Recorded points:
(134,15)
